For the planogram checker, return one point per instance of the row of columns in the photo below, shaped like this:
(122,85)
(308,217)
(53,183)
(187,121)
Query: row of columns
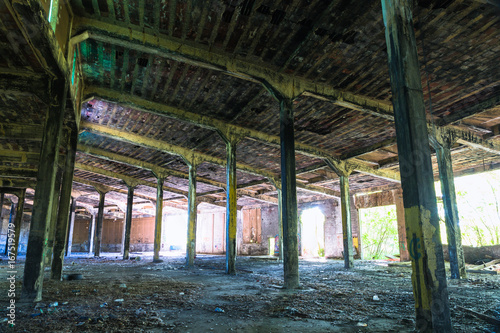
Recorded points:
(422,221)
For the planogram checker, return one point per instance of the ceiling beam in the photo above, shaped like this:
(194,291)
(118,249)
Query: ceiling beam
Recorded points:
(163,146)
(17,182)
(202,56)
(468,138)
(17,131)
(470,110)
(17,172)
(215,124)
(126,179)
(185,153)
(114,157)
(17,156)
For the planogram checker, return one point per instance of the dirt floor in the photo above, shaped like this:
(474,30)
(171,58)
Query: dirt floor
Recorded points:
(140,296)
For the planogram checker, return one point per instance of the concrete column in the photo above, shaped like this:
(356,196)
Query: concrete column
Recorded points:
(421,215)
(404,255)
(11,218)
(99,224)
(44,193)
(19,219)
(158,219)
(453,234)
(345,207)
(231,201)
(289,196)
(71,227)
(92,232)
(128,223)
(61,231)
(53,218)
(192,215)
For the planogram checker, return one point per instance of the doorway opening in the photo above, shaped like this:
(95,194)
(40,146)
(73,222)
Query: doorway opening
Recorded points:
(312,238)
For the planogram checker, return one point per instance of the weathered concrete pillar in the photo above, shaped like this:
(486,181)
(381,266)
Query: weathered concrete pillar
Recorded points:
(158,217)
(231,141)
(442,145)
(289,195)
(343,172)
(71,227)
(192,215)
(92,231)
(11,220)
(277,185)
(19,219)
(421,215)
(61,230)
(44,194)
(53,217)
(128,222)
(404,255)
(99,223)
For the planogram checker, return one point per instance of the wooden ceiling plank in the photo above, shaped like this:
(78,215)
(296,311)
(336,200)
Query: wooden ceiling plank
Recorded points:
(171,75)
(171,20)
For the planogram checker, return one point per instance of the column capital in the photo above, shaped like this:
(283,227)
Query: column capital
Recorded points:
(230,137)
(341,168)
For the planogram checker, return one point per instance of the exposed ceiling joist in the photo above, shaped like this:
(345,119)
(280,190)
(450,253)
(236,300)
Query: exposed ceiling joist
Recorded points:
(468,138)
(17,172)
(16,156)
(17,182)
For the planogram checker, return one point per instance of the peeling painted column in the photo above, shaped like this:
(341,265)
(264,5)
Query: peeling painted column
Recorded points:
(192,216)
(53,218)
(128,222)
(231,201)
(71,227)
(91,233)
(61,231)
(158,218)
(19,219)
(44,193)
(345,206)
(422,221)
(289,196)
(453,234)
(99,224)
(404,255)
(11,217)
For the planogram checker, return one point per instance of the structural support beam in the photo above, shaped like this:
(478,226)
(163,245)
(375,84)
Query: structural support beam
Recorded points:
(192,213)
(345,206)
(9,131)
(404,255)
(11,222)
(231,141)
(442,147)
(158,217)
(63,216)
(421,215)
(53,217)
(71,228)
(289,194)
(216,124)
(18,221)
(92,226)
(128,222)
(99,223)
(44,193)
(277,185)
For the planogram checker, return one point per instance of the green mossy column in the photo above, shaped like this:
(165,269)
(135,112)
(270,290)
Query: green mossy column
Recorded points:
(18,221)
(128,222)
(63,216)
(422,221)
(289,196)
(99,224)
(158,218)
(192,216)
(44,194)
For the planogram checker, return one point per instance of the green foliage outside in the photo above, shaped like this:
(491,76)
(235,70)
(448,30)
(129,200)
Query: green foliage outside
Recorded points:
(379,232)
(478,202)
